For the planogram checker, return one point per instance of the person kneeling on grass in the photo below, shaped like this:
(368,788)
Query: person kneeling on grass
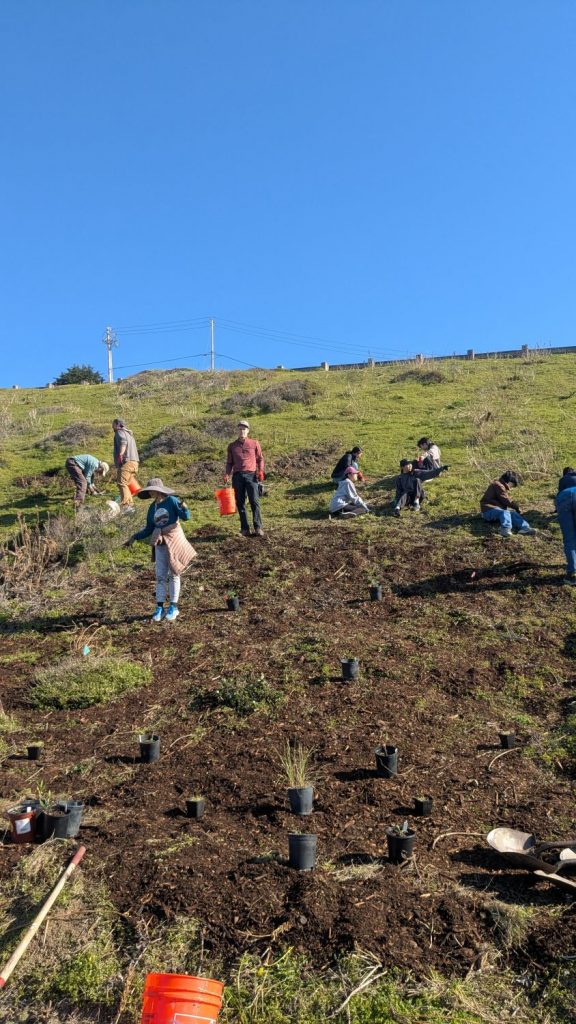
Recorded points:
(346,501)
(496,505)
(409,489)
(171,551)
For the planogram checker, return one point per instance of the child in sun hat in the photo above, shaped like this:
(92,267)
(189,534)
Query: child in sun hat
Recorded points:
(346,501)
(171,551)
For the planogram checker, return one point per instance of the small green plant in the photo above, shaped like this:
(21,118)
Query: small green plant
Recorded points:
(399,830)
(231,594)
(295,762)
(81,682)
(241,696)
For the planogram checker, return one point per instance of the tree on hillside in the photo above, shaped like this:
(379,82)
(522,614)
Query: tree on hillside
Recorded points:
(80,375)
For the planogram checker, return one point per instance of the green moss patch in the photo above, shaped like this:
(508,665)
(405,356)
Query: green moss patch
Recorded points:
(81,682)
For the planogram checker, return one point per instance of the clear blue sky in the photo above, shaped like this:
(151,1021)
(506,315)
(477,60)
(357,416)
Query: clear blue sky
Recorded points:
(395,176)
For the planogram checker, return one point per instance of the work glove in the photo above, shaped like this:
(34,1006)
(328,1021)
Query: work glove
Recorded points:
(260,476)
(360,476)
(183,506)
(444,468)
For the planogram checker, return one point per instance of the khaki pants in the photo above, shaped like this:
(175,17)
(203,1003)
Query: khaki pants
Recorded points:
(124,476)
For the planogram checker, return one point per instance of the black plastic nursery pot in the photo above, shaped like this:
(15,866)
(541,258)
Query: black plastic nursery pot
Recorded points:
(35,751)
(233,604)
(400,845)
(423,805)
(376,593)
(507,740)
(149,748)
(386,761)
(301,799)
(195,807)
(350,668)
(302,850)
(55,822)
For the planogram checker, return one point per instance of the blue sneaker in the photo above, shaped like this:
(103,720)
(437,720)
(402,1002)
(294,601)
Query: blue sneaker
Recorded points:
(172,613)
(157,617)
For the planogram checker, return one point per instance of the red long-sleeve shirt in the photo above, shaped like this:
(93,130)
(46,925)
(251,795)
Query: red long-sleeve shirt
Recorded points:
(244,456)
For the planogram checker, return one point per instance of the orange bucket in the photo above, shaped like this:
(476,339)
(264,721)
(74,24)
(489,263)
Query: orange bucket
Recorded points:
(134,486)
(181,999)
(226,501)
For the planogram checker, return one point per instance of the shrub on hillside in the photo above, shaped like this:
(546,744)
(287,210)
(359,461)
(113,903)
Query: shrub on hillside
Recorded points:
(80,375)
(73,437)
(221,427)
(240,401)
(78,682)
(419,377)
(175,441)
(275,397)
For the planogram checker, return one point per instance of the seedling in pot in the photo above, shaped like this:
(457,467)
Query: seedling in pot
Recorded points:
(507,740)
(350,667)
(423,805)
(195,806)
(149,747)
(295,762)
(35,750)
(375,590)
(232,601)
(400,840)
(386,760)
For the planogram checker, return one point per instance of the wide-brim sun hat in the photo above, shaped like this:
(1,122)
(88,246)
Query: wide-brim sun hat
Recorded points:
(103,468)
(155,484)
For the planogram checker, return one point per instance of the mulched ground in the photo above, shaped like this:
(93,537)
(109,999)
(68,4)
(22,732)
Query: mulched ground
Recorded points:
(437,656)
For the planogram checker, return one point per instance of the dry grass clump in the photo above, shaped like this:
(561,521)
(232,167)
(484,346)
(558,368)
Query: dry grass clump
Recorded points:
(25,560)
(273,398)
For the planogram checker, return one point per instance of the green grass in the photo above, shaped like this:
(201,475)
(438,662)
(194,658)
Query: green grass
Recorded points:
(240,696)
(81,682)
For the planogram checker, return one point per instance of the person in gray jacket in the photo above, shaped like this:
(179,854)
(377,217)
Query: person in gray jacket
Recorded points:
(126,460)
(346,501)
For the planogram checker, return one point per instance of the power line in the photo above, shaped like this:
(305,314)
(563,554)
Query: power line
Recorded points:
(157,362)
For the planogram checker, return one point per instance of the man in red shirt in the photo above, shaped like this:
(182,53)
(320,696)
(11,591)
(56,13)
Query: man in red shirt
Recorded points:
(246,464)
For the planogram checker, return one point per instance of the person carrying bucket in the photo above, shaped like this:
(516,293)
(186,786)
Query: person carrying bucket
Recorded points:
(126,460)
(246,464)
(171,551)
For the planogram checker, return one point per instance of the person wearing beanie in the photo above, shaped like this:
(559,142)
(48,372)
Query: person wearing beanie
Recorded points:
(351,458)
(409,490)
(244,460)
(496,505)
(83,469)
(346,501)
(126,460)
(171,551)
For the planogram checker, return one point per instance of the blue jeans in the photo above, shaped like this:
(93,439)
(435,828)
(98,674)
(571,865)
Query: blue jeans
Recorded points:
(507,518)
(567,519)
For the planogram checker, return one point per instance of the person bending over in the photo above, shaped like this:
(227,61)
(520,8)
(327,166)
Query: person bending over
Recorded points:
(83,469)
(346,501)
(496,506)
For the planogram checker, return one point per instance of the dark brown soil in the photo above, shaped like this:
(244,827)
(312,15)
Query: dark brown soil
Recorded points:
(436,673)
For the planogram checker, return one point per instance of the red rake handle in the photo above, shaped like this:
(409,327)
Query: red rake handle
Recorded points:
(42,913)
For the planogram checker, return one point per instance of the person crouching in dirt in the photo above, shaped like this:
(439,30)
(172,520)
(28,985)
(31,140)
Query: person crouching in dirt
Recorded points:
(171,551)
(246,464)
(351,458)
(566,509)
(409,490)
(429,456)
(496,505)
(346,501)
(83,469)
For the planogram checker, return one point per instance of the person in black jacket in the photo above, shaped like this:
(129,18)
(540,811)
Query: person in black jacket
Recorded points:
(350,458)
(566,509)
(409,489)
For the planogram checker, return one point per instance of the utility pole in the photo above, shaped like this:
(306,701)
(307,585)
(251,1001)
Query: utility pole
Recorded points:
(211,343)
(111,341)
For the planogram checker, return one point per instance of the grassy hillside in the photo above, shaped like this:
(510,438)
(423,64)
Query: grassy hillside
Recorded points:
(474,635)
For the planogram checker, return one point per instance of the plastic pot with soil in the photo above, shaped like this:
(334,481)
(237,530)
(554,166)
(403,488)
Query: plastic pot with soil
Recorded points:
(386,761)
(400,840)
(232,602)
(23,820)
(295,761)
(195,807)
(149,747)
(375,591)
(35,750)
(302,850)
(350,668)
(55,821)
(423,806)
(507,740)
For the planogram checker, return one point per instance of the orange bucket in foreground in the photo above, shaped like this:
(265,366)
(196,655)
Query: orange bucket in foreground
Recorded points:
(181,999)
(226,501)
(134,486)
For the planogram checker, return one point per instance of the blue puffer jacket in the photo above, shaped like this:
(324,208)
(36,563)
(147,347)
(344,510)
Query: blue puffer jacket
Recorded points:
(566,488)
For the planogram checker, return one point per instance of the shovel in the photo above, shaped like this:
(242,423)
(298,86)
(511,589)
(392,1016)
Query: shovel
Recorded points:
(521,849)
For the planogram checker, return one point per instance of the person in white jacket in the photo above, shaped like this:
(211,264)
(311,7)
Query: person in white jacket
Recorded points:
(346,500)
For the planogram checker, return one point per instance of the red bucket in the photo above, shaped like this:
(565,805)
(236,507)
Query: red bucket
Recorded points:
(134,486)
(226,501)
(181,999)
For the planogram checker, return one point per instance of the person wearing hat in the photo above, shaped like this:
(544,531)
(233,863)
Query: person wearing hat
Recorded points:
(171,551)
(126,460)
(350,458)
(245,463)
(83,469)
(409,489)
(346,501)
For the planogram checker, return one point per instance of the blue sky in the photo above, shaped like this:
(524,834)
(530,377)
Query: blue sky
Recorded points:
(392,177)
